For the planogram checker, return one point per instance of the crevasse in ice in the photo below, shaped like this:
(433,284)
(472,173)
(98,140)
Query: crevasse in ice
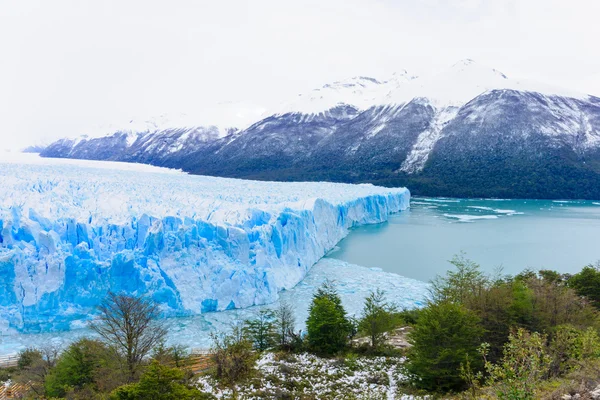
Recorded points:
(70,231)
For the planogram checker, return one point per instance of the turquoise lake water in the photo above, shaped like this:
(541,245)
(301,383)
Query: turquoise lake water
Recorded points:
(511,234)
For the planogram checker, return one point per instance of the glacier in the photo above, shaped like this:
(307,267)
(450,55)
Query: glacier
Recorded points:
(70,231)
(353,283)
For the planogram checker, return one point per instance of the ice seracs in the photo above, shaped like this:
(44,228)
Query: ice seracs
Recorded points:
(72,231)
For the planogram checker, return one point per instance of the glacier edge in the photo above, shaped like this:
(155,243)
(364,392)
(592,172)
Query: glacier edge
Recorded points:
(54,272)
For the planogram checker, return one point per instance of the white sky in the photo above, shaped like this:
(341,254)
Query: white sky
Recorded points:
(66,66)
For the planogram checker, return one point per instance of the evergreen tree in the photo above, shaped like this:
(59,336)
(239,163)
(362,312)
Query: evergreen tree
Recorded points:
(327,324)
(446,336)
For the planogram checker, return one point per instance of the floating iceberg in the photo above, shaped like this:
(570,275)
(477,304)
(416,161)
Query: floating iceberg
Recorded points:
(70,231)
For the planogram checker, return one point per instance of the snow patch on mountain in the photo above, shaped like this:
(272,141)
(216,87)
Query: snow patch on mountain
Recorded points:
(464,81)
(419,154)
(222,117)
(453,87)
(360,92)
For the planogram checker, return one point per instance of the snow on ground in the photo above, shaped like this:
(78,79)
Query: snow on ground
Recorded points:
(71,231)
(292,376)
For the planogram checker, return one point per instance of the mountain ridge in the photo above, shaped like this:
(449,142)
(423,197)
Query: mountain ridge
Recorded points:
(426,133)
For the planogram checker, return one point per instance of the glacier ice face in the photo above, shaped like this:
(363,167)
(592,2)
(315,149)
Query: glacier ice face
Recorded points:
(353,283)
(70,231)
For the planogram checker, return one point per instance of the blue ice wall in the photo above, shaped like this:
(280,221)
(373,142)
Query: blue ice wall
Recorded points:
(53,273)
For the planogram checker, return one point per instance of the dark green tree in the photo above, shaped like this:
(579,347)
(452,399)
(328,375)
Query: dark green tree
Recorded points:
(378,318)
(446,336)
(261,330)
(327,325)
(75,368)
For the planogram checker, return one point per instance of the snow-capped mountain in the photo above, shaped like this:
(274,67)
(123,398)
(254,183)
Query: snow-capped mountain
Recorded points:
(360,92)
(151,139)
(467,131)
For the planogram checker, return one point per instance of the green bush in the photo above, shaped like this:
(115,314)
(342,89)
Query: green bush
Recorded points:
(524,364)
(27,357)
(446,336)
(83,364)
(327,325)
(6,374)
(408,316)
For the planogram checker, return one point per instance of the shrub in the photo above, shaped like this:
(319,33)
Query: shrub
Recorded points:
(27,357)
(233,357)
(33,367)
(590,344)
(446,336)
(327,324)
(378,318)
(524,364)
(84,364)
(408,316)
(564,349)
(176,355)
(159,382)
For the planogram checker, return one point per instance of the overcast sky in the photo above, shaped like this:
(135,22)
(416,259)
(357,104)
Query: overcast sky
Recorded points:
(68,65)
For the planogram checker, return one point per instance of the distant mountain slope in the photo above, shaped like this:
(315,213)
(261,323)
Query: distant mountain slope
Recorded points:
(469,131)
